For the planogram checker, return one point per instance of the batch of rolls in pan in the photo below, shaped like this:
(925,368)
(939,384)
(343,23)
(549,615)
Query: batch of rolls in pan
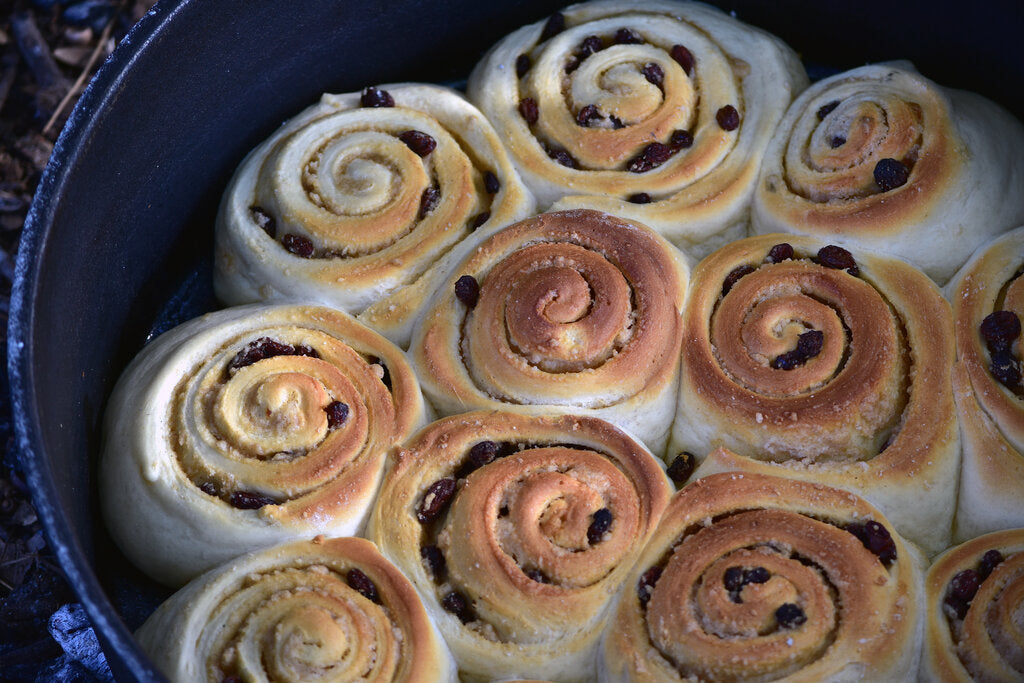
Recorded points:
(642,359)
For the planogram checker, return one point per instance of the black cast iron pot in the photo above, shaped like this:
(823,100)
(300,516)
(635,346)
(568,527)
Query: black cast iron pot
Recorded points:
(118,242)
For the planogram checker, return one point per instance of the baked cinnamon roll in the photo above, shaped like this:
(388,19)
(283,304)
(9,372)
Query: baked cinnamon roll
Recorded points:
(806,360)
(517,531)
(248,427)
(360,196)
(308,610)
(987,296)
(656,111)
(882,158)
(750,577)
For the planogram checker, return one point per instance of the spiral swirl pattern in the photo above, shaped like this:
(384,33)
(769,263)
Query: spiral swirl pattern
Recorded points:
(991,411)
(877,157)
(249,426)
(534,540)
(666,103)
(981,640)
(295,613)
(576,309)
(871,410)
(751,577)
(346,204)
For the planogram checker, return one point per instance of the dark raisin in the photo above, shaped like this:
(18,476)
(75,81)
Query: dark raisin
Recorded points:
(681,468)
(836,141)
(890,174)
(789,615)
(587,114)
(257,350)
(507,448)
(832,256)
(734,276)
(589,46)
(337,413)
(1005,368)
(435,500)
(787,361)
(264,220)
(652,156)
(480,219)
(209,488)
(523,65)
(298,245)
(246,500)
(537,575)
(616,122)
(572,64)
(419,142)
(528,110)
(654,74)
(375,97)
(684,57)
(728,118)
(503,511)
(600,524)
(680,139)
(482,453)
(989,561)
(562,157)
(361,583)
(305,350)
(827,109)
(756,575)
(1000,330)
(467,290)
(457,604)
(625,36)
(429,200)
(645,586)
(964,586)
(554,25)
(875,538)
(434,559)
(780,252)
(491,182)
(733,578)
(639,198)
(809,343)
(959,607)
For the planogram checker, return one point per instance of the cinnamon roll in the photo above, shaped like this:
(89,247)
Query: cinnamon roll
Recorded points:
(749,577)
(360,196)
(806,360)
(309,610)
(975,611)
(517,531)
(987,296)
(882,158)
(248,427)
(655,111)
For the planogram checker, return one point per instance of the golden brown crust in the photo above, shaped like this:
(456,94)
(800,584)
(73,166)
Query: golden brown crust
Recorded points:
(516,537)
(986,641)
(294,612)
(578,310)
(861,615)
(872,412)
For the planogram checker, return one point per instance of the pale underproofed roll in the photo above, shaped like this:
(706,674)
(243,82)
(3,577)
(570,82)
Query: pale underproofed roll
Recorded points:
(575,311)
(517,531)
(882,158)
(975,611)
(805,360)
(361,195)
(309,610)
(248,427)
(758,578)
(656,111)
(987,296)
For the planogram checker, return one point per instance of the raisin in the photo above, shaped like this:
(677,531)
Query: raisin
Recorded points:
(467,290)
(429,200)
(875,538)
(756,575)
(434,559)
(789,615)
(832,256)
(733,579)
(361,583)
(528,110)
(420,143)
(572,64)
(554,25)
(684,57)
(264,220)
(780,252)
(890,174)
(337,413)
(639,198)
(734,276)
(305,350)
(482,453)
(652,156)
(958,606)
(523,65)
(681,468)
(836,141)
(1005,369)
(645,586)
(375,97)
(587,114)
(257,350)
(491,182)
(827,109)
(989,561)
(728,118)
(589,46)
(435,500)
(680,139)
(616,122)
(480,219)
(625,36)
(298,245)
(457,604)
(809,344)
(602,521)
(246,500)
(964,586)
(654,74)
(787,361)
(562,157)
(1000,329)
(209,488)
(537,575)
